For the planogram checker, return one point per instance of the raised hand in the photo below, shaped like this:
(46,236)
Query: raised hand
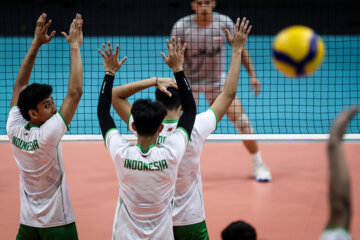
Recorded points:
(164,83)
(75,37)
(175,60)
(241,33)
(40,35)
(111,61)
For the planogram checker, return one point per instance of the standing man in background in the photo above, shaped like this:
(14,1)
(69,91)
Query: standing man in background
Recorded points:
(204,65)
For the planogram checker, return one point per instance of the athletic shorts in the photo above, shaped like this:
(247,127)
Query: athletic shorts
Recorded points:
(335,234)
(211,90)
(66,232)
(197,231)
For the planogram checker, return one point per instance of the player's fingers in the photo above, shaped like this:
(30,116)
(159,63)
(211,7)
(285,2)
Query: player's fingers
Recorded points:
(164,57)
(237,24)
(47,25)
(64,34)
(41,19)
(168,45)
(166,92)
(117,50)
(110,48)
(183,49)
(178,45)
(52,35)
(123,60)
(242,24)
(101,53)
(228,34)
(248,31)
(105,50)
(173,42)
(258,86)
(246,25)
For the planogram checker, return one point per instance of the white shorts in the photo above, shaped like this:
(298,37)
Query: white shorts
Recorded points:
(211,90)
(335,234)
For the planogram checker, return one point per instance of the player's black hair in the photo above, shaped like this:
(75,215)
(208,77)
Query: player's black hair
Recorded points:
(170,103)
(148,116)
(30,97)
(239,230)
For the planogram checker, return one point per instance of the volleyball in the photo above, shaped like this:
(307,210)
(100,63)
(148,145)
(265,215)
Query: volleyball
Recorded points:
(298,51)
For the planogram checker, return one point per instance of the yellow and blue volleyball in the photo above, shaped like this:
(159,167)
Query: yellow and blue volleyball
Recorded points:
(298,51)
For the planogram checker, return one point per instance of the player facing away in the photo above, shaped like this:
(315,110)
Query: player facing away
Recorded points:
(188,213)
(204,66)
(338,225)
(35,129)
(146,172)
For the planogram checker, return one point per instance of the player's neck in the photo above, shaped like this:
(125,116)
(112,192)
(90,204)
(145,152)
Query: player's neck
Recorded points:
(146,141)
(172,114)
(203,20)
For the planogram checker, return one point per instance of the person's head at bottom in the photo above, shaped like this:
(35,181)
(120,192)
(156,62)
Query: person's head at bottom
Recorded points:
(238,230)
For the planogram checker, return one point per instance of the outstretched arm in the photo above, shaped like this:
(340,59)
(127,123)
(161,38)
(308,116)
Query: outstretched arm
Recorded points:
(111,65)
(237,42)
(120,93)
(339,184)
(40,37)
(175,61)
(74,93)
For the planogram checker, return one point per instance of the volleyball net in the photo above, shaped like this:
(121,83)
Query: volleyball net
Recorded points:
(285,109)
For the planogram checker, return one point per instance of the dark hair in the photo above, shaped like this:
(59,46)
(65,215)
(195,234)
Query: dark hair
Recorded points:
(30,97)
(148,116)
(239,230)
(170,103)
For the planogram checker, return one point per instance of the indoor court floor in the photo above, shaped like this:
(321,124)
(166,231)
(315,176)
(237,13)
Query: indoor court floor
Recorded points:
(292,207)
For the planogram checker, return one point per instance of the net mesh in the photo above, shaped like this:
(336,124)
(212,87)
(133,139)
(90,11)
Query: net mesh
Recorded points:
(305,105)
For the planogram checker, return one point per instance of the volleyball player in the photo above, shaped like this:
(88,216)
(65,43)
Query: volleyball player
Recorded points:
(204,66)
(338,225)
(35,129)
(188,213)
(146,172)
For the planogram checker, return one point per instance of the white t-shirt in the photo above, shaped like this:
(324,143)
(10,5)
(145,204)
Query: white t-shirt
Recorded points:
(335,234)
(146,185)
(44,196)
(188,204)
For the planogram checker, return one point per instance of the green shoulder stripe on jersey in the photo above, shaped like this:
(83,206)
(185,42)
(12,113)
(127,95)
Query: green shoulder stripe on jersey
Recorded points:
(217,120)
(12,107)
(67,126)
(183,129)
(128,126)
(108,131)
(145,150)
(171,121)
(27,126)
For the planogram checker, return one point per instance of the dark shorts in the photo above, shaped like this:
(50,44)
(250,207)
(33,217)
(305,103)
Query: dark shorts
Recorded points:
(197,231)
(65,232)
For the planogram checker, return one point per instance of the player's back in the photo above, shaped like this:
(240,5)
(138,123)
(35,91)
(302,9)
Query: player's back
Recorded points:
(146,186)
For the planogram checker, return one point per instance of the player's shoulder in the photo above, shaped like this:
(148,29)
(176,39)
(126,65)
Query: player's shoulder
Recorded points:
(222,18)
(184,22)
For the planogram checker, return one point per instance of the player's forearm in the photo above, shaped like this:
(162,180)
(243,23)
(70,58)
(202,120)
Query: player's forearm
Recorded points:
(187,118)
(130,89)
(247,63)
(27,65)
(232,78)
(106,122)
(76,74)
(339,189)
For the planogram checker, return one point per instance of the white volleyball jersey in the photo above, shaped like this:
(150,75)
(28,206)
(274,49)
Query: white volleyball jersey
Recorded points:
(335,234)
(44,197)
(205,55)
(146,185)
(188,201)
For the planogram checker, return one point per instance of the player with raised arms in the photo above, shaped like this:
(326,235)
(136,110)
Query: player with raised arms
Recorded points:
(146,172)
(35,128)
(204,65)
(188,214)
